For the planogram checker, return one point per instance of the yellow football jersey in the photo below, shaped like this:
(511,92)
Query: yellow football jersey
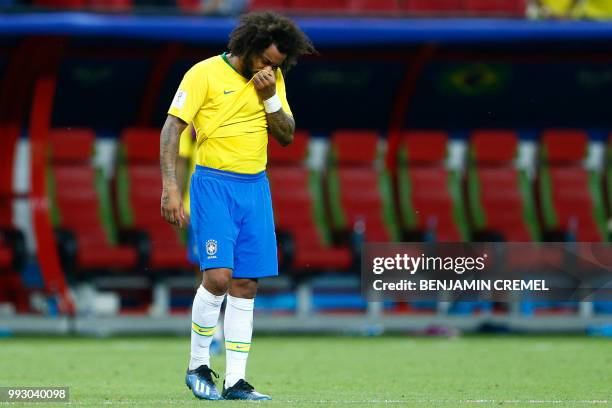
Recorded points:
(187,151)
(240,142)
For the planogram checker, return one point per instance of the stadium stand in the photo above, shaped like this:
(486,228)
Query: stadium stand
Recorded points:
(514,8)
(317,5)
(500,195)
(433,6)
(299,209)
(255,5)
(374,5)
(430,198)
(6,255)
(569,195)
(428,8)
(61,4)
(111,5)
(82,211)
(358,191)
(12,257)
(138,184)
(188,5)
(132,57)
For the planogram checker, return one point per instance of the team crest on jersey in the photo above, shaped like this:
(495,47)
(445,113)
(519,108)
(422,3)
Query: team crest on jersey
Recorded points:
(211,248)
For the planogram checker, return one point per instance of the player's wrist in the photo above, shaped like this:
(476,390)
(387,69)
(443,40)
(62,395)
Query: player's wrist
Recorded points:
(170,186)
(272,104)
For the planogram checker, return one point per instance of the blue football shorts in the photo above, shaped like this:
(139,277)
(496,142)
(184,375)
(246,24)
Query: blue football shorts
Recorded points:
(192,246)
(233,222)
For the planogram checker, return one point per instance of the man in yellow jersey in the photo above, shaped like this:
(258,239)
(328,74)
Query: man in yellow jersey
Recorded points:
(186,165)
(233,101)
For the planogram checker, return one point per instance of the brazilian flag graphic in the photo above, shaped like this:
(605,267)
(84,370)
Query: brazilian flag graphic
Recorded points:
(474,79)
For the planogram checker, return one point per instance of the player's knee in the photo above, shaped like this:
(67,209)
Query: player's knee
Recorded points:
(243,288)
(217,280)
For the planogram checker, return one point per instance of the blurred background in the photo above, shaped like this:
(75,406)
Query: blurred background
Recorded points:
(420,120)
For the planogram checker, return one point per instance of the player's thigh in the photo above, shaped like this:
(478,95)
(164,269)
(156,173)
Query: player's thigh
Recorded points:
(255,252)
(213,226)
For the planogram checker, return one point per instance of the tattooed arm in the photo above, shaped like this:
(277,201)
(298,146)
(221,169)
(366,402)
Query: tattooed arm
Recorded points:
(281,126)
(171,198)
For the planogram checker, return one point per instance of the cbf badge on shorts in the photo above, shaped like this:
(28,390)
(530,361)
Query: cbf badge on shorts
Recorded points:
(211,248)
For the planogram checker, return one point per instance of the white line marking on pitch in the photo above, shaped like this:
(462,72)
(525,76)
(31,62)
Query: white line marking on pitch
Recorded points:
(375,401)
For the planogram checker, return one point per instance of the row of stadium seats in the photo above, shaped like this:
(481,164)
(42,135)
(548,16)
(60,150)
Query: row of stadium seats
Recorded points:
(89,237)
(495,201)
(319,214)
(450,7)
(440,7)
(12,257)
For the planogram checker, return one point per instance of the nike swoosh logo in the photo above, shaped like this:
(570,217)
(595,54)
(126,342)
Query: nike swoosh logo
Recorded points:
(227,92)
(241,347)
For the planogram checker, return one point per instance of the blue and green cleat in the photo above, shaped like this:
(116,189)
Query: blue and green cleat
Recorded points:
(201,383)
(242,390)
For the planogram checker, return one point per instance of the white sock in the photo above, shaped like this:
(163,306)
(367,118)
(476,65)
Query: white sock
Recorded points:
(238,327)
(204,319)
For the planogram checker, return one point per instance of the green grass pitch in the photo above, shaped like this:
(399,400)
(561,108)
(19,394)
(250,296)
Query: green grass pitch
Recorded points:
(512,371)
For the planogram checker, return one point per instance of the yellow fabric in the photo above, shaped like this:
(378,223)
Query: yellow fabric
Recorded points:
(186,143)
(557,8)
(213,90)
(237,346)
(188,151)
(595,9)
(203,331)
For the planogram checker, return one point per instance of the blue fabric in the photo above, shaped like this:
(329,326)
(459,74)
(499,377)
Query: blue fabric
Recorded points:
(233,222)
(192,246)
(322,31)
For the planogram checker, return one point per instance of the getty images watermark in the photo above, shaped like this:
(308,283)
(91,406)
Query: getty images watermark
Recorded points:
(487,271)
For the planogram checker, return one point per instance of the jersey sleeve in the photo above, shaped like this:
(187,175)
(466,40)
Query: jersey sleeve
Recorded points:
(282,94)
(191,94)
(186,143)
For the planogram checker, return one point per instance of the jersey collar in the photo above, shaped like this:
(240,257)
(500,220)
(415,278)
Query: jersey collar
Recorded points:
(227,61)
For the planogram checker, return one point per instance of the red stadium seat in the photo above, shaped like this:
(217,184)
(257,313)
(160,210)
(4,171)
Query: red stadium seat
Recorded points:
(358,191)
(569,195)
(61,4)
(433,6)
(189,6)
(139,187)
(82,203)
(499,195)
(298,208)
(12,256)
(373,5)
(111,5)
(6,255)
(267,4)
(514,8)
(429,195)
(318,5)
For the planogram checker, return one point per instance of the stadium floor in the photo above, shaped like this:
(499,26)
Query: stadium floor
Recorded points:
(513,371)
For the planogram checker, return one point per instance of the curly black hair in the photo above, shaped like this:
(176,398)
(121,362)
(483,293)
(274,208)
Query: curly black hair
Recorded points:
(257,31)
